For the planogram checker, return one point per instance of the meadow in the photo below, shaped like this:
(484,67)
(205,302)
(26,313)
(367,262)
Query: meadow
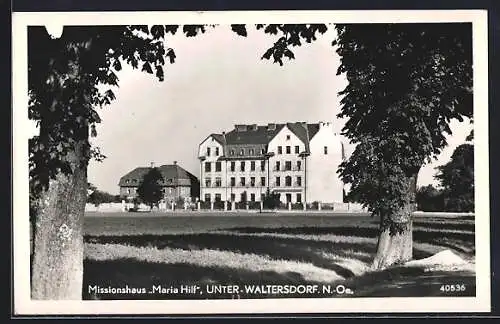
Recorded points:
(148,249)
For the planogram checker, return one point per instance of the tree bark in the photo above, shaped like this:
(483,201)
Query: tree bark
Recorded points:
(396,247)
(58,252)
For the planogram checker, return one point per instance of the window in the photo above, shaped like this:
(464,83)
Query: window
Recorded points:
(128,190)
(299,181)
(277,168)
(288,181)
(325,149)
(288,150)
(288,137)
(233,181)
(218,166)
(263,181)
(288,165)
(263,151)
(233,166)
(243,196)
(207,197)
(233,197)
(252,197)
(126,181)
(231,152)
(297,149)
(288,198)
(208,166)
(242,166)
(218,197)
(242,181)
(299,165)
(278,181)
(251,152)
(242,152)
(216,151)
(252,181)
(218,182)
(208,182)
(252,166)
(299,198)
(208,151)
(280,150)
(262,165)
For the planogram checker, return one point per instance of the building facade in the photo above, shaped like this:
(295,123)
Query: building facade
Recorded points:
(297,160)
(177,183)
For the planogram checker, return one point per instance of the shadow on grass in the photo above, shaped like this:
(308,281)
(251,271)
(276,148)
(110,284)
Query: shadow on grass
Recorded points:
(293,249)
(370,232)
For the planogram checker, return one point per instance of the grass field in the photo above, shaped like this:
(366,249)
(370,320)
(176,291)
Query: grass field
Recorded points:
(142,250)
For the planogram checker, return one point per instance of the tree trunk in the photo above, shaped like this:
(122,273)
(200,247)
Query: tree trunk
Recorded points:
(396,246)
(58,252)
(58,232)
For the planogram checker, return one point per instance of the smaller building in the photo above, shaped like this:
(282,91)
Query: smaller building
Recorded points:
(177,183)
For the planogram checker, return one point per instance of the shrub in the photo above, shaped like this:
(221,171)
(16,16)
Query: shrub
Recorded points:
(298,206)
(271,200)
(204,204)
(254,205)
(241,205)
(218,205)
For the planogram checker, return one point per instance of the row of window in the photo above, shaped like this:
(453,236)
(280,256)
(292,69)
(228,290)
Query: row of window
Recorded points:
(164,190)
(243,197)
(137,181)
(251,151)
(287,166)
(243,183)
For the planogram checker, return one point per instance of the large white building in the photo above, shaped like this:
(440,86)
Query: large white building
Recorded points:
(297,160)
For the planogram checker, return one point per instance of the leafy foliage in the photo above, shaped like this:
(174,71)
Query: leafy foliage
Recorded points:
(98,197)
(271,200)
(406,82)
(150,189)
(430,199)
(457,179)
(69,78)
(405,85)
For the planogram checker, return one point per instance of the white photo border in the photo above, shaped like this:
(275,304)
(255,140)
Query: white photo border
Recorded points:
(23,305)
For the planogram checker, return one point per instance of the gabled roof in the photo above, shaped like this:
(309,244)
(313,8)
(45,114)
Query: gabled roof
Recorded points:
(218,137)
(171,174)
(260,135)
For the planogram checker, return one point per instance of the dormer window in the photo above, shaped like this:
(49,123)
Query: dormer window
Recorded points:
(231,152)
(242,152)
(251,152)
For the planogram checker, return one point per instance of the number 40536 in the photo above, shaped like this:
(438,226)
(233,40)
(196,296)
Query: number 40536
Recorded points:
(453,288)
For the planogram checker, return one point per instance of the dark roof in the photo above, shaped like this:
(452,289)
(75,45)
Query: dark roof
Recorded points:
(171,172)
(261,134)
(218,137)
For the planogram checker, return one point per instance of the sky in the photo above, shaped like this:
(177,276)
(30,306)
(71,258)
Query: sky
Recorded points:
(217,81)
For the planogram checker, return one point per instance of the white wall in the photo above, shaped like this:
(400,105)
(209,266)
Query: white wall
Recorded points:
(281,140)
(323,182)
(212,158)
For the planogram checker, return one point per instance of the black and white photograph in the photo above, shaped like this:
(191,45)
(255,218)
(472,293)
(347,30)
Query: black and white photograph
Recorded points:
(251,162)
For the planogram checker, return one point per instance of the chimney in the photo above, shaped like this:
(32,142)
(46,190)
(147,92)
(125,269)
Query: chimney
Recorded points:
(175,162)
(152,164)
